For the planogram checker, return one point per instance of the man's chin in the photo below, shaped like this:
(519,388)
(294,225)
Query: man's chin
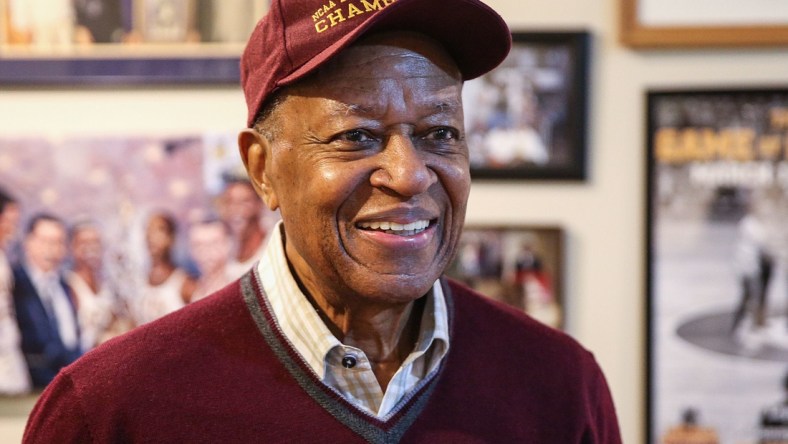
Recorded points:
(399,288)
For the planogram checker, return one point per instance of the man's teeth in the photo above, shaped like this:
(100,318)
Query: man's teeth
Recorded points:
(395,228)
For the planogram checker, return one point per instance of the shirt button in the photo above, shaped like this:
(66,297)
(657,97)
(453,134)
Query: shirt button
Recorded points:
(349,361)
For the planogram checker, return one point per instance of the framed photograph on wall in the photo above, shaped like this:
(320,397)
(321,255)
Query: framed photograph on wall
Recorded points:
(677,23)
(124,41)
(125,188)
(718,265)
(519,265)
(526,119)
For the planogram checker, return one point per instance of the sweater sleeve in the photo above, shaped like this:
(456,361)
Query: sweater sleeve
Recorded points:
(58,415)
(604,426)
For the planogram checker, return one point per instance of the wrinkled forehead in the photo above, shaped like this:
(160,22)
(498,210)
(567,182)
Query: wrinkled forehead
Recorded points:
(385,55)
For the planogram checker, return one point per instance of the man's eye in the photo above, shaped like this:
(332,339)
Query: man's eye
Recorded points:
(355,136)
(443,133)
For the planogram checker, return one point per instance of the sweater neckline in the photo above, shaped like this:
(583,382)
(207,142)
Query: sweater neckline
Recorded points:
(388,429)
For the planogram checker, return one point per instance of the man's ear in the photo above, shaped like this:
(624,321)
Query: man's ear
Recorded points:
(256,154)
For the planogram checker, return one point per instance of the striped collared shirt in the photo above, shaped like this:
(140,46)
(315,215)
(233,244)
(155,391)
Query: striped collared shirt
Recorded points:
(323,352)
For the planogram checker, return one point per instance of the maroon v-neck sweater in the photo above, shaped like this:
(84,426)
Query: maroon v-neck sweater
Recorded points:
(219,371)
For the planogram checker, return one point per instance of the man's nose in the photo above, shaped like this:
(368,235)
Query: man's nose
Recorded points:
(402,168)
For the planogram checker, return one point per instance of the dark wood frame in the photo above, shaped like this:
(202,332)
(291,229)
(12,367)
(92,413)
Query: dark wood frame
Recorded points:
(120,71)
(550,248)
(652,200)
(578,44)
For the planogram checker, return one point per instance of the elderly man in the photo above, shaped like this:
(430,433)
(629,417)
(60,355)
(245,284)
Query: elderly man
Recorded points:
(345,330)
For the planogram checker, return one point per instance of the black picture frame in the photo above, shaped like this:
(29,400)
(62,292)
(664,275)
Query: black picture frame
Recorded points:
(520,265)
(194,45)
(527,118)
(717,198)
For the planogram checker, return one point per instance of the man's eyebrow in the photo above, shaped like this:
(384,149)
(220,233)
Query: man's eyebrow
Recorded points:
(359,109)
(449,106)
(344,109)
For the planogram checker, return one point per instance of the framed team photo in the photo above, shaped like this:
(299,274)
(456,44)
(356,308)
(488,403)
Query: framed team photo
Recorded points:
(526,119)
(717,262)
(518,265)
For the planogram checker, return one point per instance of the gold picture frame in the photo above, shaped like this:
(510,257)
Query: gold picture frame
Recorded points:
(676,29)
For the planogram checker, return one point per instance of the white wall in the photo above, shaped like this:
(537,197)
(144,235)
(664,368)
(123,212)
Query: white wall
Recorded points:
(603,217)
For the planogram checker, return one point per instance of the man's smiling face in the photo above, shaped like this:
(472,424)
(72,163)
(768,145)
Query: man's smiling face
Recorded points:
(369,168)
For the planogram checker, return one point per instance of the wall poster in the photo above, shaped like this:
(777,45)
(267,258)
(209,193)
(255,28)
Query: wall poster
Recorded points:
(717,266)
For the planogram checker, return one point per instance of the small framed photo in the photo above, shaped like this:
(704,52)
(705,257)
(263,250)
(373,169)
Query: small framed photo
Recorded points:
(519,265)
(717,265)
(526,119)
(124,41)
(677,23)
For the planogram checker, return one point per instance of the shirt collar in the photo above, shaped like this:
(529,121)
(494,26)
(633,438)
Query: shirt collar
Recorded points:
(302,326)
(40,278)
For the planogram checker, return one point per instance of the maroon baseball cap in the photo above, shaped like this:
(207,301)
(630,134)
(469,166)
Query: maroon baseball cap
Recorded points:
(298,36)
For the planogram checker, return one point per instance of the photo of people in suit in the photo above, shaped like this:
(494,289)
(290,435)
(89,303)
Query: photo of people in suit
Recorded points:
(101,234)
